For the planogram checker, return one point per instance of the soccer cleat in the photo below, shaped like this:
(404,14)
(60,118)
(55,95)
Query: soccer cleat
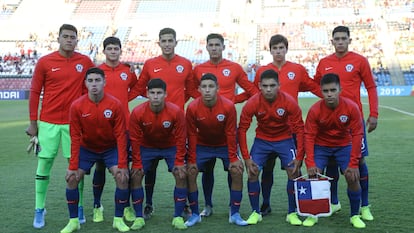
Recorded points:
(138,223)
(254,218)
(366,213)
(293,219)
(208,211)
(194,219)
(178,223)
(335,208)
(236,219)
(310,221)
(129,214)
(98,214)
(357,222)
(39,218)
(81,216)
(265,210)
(119,224)
(148,211)
(72,226)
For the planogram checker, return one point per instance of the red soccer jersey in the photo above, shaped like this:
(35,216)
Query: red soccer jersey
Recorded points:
(62,81)
(119,80)
(273,120)
(353,69)
(97,127)
(215,126)
(228,74)
(328,127)
(293,78)
(158,130)
(177,73)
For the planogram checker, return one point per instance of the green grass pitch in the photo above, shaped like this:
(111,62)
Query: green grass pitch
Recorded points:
(391,183)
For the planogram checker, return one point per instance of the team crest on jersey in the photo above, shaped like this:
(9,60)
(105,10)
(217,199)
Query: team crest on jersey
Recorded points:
(108,113)
(179,68)
(123,76)
(220,117)
(79,68)
(349,68)
(166,124)
(343,118)
(291,75)
(280,111)
(226,72)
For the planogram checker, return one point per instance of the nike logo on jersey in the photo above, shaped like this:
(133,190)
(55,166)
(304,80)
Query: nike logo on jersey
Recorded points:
(328,68)
(157,70)
(261,113)
(200,118)
(85,114)
(55,69)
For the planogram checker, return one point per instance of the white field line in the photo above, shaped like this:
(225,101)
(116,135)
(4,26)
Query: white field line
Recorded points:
(394,109)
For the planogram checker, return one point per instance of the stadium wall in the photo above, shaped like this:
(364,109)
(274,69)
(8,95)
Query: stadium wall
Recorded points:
(381,90)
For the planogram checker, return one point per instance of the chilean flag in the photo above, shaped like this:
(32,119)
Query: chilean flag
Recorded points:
(313,197)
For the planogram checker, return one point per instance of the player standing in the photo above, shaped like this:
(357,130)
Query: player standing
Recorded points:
(228,74)
(176,71)
(119,81)
(354,69)
(60,75)
(293,78)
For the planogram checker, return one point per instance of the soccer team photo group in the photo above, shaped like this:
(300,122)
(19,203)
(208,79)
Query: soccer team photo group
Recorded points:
(172,143)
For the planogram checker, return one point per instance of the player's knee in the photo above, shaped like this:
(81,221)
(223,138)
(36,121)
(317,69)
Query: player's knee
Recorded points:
(235,174)
(353,185)
(72,181)
(121,180)
(253,177)
(44,166)
(136,180)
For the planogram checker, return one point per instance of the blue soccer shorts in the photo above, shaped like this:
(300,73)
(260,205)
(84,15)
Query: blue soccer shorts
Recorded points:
(262,150)
(152,155)
(88,158)
(341,154)
(207,153)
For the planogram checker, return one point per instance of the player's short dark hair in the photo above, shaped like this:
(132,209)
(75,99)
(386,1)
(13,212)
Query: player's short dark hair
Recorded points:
(95,70)
(269,74)
(167,31)
(330,78)
(276,39)
(209,76)
(341,29)
(157,83)
(215,36)
(69,27)
(112,40)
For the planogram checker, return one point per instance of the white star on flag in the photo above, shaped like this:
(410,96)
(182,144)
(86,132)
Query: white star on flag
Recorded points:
(302,190)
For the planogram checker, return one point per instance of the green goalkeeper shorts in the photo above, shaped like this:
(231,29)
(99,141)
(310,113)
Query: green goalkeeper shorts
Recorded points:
(50,137)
